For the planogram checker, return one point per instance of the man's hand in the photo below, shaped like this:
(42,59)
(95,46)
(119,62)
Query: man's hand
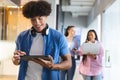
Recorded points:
(17,55)
(44,63)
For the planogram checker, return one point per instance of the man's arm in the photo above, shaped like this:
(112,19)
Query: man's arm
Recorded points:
(65,64)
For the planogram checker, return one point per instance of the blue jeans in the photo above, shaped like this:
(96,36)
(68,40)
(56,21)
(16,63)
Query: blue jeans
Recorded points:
(97,77)
(69,74)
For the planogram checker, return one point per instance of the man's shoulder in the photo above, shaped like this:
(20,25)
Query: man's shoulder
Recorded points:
(55,32)
(23,33)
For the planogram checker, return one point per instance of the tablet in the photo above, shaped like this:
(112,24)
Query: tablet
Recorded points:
(93,48)
(35,56)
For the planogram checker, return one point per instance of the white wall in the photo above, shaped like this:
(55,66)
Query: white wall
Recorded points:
(52,18)
(78,22)
(99,7)
(6,53)
(111,38)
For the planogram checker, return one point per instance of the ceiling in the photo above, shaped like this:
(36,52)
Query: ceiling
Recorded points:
(4,3)
(7,3)
(78,7)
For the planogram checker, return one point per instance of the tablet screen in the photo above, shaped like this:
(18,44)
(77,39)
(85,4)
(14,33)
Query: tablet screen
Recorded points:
(35,56)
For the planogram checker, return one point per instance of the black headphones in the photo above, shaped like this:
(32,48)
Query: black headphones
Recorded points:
(44,31)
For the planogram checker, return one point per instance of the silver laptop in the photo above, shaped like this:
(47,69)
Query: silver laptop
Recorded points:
(93,48)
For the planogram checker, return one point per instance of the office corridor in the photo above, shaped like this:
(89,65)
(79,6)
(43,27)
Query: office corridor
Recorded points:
(104,17)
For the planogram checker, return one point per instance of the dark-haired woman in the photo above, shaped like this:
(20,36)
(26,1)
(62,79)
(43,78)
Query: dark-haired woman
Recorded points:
(91,64)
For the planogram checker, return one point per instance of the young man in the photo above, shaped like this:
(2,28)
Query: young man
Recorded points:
(40,40)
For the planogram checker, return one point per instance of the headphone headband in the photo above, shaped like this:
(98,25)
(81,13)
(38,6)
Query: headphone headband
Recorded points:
(44,31)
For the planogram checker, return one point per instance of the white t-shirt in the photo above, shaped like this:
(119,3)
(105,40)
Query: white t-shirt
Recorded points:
(34,70)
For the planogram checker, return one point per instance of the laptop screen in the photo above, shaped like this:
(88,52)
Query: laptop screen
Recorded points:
(93,48)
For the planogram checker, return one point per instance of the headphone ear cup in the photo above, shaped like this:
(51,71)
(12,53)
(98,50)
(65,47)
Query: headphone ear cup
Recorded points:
(33,32)
(45,31)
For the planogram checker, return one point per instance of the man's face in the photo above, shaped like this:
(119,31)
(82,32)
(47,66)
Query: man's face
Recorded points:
(39,22)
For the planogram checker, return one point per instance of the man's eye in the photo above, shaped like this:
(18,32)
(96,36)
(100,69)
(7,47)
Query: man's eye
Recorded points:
(40,18)
(32,19)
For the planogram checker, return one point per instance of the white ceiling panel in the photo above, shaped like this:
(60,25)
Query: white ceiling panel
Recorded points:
(82,3)
(76,8)
(79,7)
(82,0)
(76,14)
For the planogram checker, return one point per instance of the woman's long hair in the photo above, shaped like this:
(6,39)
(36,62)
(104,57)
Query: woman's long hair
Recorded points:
(68,28)
(96,38)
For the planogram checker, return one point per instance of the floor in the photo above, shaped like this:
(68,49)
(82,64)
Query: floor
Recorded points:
(76,77)
(15,78)
(8,77)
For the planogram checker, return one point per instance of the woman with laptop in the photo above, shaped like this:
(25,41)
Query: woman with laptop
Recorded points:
(91,64)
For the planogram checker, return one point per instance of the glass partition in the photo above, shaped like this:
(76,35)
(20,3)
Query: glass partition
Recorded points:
(12,22)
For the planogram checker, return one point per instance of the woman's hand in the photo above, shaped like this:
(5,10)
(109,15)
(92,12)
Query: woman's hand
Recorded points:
(91,55)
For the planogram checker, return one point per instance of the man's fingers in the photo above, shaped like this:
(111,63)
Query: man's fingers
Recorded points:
(17,57)
(18,52)
(51,59)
